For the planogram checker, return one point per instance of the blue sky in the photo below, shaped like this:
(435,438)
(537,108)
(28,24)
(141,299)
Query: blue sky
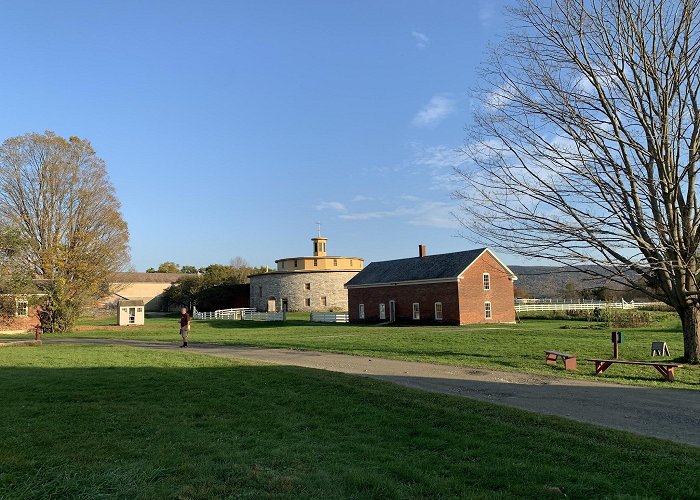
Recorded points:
(229,128)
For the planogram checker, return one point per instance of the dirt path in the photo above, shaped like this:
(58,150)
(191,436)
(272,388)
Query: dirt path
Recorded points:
(672,414)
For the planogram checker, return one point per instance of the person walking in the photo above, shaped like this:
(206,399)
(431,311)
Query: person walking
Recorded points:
(184,326)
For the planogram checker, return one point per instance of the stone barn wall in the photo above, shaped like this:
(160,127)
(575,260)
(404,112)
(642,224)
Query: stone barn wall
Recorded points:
(292,287)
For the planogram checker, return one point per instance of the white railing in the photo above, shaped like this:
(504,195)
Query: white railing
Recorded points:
(233,313)
(252,315)
(330,318)
(580,306)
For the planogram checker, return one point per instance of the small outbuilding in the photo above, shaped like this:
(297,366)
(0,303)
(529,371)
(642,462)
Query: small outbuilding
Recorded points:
(457,288)
(131,312)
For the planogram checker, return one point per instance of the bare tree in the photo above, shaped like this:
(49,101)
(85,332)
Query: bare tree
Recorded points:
(57,193)
(585,144)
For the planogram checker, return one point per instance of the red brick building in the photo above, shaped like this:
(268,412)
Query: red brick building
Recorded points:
(457,288)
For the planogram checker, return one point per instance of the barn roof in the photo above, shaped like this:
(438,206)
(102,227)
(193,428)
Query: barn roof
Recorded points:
(146,277)
(439,267)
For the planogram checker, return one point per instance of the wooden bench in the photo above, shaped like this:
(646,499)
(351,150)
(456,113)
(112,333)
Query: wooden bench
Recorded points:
(665,369)
(550,358)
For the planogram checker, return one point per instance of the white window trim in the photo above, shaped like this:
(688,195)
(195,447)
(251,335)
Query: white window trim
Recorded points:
(25,307)
(486,277)
(362,311)
(382,311)
(488,311)
(436,311)
(416,311)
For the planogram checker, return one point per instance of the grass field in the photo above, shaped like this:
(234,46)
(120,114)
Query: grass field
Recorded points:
(504,347)
(95,422)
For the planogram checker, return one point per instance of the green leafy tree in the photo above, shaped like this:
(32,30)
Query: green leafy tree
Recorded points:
(57,194)
(168,267)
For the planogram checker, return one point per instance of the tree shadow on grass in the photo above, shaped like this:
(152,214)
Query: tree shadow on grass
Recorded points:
(249,430)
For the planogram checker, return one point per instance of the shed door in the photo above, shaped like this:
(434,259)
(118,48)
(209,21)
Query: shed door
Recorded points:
(392,311)
(132,315)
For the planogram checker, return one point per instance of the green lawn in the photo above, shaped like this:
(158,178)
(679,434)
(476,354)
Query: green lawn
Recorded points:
(93,421)
(504,347)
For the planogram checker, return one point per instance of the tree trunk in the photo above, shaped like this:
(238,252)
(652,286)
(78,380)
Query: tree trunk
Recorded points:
(690,319)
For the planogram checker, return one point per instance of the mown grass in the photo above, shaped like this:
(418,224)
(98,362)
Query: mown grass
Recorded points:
(503,347)
(119,422)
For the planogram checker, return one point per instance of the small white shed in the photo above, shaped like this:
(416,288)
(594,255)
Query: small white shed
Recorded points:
(131,312)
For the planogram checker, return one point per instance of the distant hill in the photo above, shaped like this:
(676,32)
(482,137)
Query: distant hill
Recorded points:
(549,282)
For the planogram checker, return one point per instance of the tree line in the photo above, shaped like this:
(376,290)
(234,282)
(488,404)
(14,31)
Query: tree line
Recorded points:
(208,288)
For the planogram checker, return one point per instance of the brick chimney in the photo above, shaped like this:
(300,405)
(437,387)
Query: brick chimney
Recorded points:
(421,251)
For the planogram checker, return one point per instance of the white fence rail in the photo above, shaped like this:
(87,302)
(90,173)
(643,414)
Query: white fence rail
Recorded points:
(580,306)
(330,318)
(252,315)
(234,313)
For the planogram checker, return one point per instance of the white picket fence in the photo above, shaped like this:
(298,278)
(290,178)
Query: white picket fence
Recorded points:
(253,315)
(580,306)
(330,318)
(233,313)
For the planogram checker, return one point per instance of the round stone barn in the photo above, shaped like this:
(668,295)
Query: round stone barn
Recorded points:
(311,283)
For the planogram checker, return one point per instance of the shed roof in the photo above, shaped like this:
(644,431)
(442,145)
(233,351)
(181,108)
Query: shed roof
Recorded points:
(134,302)
(439,267)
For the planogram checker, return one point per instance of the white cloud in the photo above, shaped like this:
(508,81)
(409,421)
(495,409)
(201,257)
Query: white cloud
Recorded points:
(421,213)
(437,109)
(438,163)
(436,214)
(331,205)
(486,13)
(361,197)
(421,39)
(409,197)
(437,157)
(500,96)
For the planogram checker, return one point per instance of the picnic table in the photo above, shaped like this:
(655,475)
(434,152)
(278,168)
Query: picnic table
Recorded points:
(664,368)
(569,359)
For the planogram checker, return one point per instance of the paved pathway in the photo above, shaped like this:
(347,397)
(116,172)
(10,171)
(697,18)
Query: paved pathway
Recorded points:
(672,414)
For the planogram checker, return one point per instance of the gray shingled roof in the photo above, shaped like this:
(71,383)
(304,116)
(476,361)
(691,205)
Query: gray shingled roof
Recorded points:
(430,267)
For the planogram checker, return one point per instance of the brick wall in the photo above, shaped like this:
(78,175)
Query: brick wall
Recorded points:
(472,295)
(462,302)
(404,296)
(20,323)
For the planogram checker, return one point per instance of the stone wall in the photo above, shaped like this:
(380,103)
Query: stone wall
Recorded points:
(297,287)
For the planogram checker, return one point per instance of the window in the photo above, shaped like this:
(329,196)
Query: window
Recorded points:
(324,301)
(487,281)
(438,311)
(351,264)
(296,263)
(259,291)
(315,262)
(139,309)
(362,311)
(382,311)
(335,262)
(307,286)
(307,302)
(416,311)
(487,310)
(22,308)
